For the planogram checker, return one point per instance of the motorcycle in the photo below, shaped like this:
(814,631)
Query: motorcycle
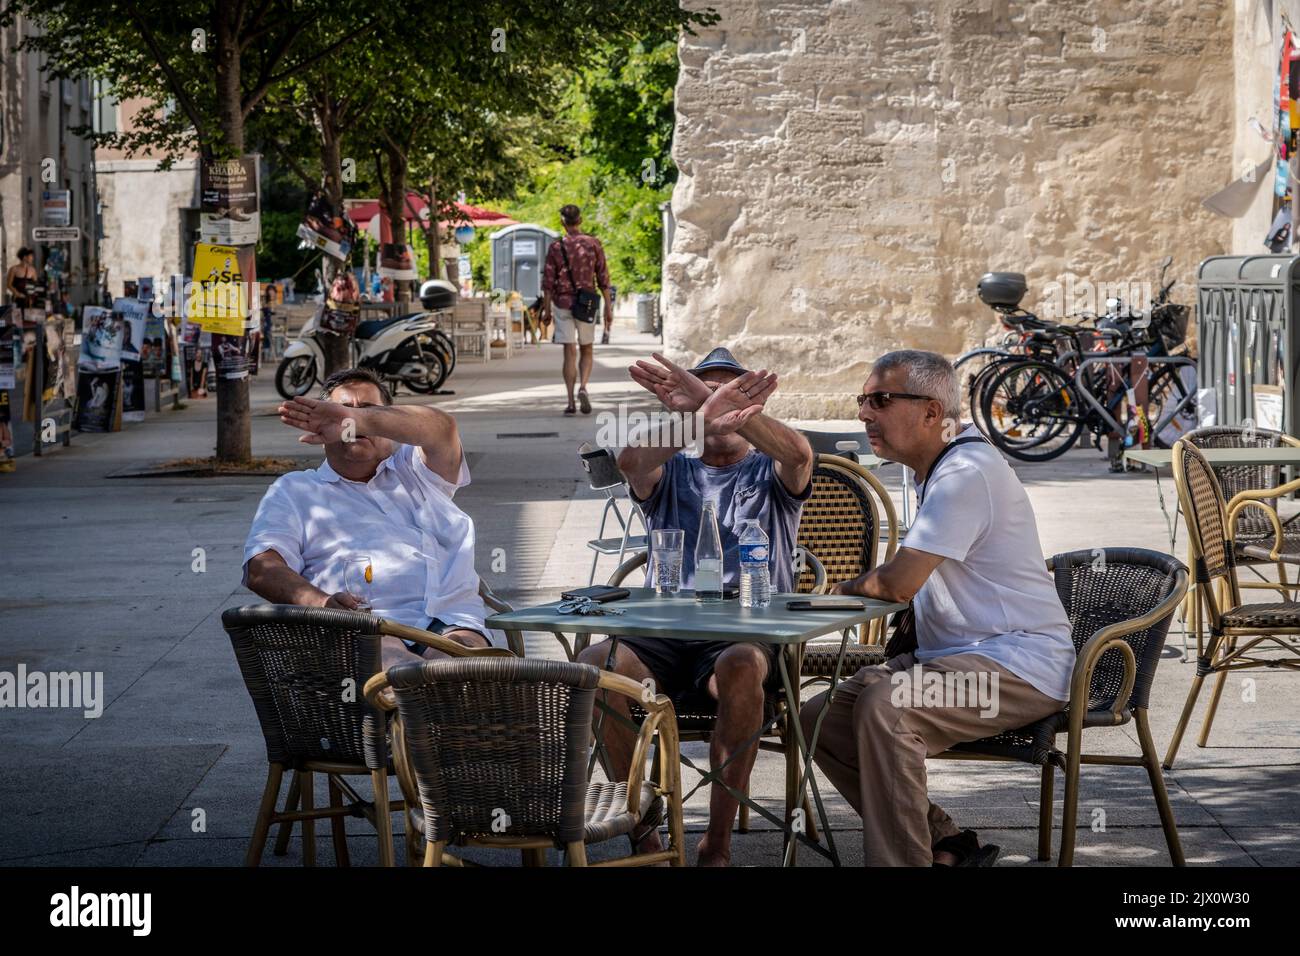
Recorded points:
(402,350)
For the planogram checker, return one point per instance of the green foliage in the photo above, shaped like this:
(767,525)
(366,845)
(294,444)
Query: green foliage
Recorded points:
(610,155)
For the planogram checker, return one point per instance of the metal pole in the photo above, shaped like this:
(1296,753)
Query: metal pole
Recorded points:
(38,372)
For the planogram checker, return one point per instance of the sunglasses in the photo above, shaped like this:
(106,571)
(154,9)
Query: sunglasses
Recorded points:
(878,400)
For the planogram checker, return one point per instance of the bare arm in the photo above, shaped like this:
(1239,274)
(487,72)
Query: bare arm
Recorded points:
(898,579)
(434,431)
(789,449)
(273,580)
(642,464)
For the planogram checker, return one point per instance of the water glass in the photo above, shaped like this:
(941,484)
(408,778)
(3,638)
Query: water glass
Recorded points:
(666,557)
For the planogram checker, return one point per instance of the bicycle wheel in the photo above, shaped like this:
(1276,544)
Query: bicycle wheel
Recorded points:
(1031,411)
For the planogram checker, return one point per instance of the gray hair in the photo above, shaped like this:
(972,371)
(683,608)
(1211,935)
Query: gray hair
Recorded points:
(928,373)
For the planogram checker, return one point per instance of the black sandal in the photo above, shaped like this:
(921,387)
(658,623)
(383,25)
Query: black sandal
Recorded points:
(584,401)
(966,847)
(570,410)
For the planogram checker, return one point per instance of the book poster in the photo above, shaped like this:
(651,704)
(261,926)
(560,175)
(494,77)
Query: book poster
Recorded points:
(101,340)
(228,206)
(98,401)
(133,392)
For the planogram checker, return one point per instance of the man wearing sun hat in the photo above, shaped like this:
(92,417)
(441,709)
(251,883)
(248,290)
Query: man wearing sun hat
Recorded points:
(753,468)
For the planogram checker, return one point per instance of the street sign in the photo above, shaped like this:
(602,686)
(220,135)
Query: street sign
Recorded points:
(56,233)
(56,207)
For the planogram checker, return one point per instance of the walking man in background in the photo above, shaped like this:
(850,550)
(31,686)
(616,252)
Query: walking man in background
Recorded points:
(575,269)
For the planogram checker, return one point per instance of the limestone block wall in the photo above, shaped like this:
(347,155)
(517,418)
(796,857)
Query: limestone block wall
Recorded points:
(850,168)
(144,218)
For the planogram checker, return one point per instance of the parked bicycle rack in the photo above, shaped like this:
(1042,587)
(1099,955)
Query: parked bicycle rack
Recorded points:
(1188,401)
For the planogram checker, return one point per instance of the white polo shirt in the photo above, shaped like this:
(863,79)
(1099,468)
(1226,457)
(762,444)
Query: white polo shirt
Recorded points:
(993,595)
(421,545)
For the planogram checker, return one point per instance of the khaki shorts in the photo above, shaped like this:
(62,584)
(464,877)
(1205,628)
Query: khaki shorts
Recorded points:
(569,330)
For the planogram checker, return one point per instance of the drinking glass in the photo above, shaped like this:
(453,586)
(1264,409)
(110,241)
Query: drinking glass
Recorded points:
(359,580)
(666,553)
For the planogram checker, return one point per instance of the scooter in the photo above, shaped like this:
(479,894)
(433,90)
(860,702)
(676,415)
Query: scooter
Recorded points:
(401,350)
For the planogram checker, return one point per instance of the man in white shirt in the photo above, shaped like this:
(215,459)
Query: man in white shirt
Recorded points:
(994,650)
(384,492)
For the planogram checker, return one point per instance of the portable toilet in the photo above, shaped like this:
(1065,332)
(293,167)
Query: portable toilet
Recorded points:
(518,256)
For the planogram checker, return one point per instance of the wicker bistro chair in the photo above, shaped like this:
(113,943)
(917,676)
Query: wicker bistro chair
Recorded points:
(497,752)
(1120,602)
(842,527)
(304,668)
(1238,632)
(1259,536)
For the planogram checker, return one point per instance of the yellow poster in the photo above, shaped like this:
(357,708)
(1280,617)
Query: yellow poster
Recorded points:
(220,296)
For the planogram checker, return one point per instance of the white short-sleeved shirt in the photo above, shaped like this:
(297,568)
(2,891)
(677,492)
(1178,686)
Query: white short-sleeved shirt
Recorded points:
(420,544)
(993,595)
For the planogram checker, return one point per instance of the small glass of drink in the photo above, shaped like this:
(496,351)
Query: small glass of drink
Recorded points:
(359,580)
(666,554)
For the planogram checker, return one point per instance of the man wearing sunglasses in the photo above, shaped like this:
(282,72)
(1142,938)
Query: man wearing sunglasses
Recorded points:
(987,619)
(755,469)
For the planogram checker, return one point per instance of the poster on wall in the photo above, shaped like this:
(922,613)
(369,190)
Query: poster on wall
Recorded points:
(101,339)
(99,398)
(8,375)
(133,392)
(133,314)
(230,354)
(224,291)
(228,204)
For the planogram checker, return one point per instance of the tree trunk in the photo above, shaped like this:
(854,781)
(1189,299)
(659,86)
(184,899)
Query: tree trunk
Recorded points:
(397,214)
(435,236)
(234,421)
(337,348)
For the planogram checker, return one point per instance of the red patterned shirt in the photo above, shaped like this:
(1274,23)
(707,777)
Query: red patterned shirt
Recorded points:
(586,259)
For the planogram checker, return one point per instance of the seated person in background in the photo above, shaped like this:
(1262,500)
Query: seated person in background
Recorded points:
(383,491)
(753,468)
(989,623)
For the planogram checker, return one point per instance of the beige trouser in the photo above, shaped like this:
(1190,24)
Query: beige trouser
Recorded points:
(874,741)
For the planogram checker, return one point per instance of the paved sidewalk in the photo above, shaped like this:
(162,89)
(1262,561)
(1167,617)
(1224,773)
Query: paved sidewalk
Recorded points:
(98,577)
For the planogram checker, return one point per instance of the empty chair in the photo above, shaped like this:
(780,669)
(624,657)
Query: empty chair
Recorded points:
(497,752)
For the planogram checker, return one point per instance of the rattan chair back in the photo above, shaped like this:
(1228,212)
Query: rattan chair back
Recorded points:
(1201,500)
(1251,522)
(305,668)
(1109,586)
(498,747)
(841,521)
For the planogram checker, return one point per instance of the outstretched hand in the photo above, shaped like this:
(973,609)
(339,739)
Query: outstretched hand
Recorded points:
(322,421)
(677,388)
(736,402)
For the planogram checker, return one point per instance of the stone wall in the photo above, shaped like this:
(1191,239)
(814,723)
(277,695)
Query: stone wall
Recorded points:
(850,168)
(144,218)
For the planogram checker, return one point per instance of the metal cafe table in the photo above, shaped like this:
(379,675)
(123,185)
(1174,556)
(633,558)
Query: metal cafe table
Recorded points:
(681,617)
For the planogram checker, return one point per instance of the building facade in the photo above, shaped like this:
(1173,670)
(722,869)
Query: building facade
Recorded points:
(849,170)
(47,172)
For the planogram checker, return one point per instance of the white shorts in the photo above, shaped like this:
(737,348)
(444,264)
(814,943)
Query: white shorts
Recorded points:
(569,330)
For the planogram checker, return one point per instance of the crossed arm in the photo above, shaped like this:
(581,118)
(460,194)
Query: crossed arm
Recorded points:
(734,406)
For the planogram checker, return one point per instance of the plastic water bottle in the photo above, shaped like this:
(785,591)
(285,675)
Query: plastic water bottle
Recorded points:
(755,578)
(708,556)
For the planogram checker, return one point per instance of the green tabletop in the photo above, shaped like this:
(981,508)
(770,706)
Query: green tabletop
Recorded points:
(1220,457)
(648,615)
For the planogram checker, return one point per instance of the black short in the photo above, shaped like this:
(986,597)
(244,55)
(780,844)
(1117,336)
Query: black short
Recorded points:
(682,668)
(437,626)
